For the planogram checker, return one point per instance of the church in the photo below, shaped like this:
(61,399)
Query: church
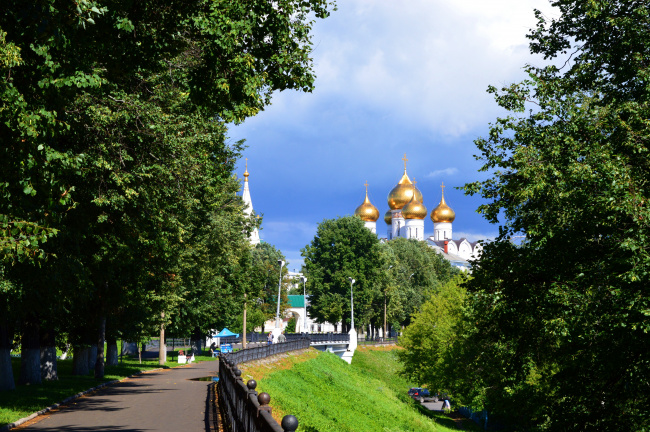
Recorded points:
(405,218)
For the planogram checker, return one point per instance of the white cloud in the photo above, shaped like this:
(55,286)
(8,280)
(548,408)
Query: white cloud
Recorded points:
(424,62)
(443,172)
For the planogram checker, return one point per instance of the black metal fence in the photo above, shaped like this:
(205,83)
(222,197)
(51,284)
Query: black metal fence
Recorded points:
(241,408)
(314,337)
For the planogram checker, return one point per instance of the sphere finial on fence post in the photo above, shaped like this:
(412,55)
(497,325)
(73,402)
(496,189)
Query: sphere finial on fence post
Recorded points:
(289,423)
(252,385)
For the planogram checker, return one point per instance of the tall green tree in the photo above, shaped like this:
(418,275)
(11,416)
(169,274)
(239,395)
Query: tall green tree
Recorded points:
(114,115)
(417,271)
(427,341)
(343,248)
(562,319)
(264,277)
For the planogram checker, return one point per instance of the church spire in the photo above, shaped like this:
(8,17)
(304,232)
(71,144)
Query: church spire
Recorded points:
(248,206)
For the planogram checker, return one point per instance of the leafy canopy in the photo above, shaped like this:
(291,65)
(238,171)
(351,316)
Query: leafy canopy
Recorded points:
(562,320)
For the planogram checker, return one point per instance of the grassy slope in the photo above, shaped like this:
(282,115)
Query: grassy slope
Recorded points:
(326,394)
(25,400)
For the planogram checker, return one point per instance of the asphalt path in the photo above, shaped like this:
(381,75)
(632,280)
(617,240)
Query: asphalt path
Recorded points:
(165,400)
(433,406)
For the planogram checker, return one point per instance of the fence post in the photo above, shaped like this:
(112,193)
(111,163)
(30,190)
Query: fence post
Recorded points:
(289,423)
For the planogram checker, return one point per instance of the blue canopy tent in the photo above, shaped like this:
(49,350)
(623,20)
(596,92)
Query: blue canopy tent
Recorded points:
(224,333)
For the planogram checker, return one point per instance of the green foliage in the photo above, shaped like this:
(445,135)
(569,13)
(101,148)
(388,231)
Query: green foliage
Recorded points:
(417,271)
(343,248)
(291,325)
(115,162)
(561,328)
(327,394)
(428,339)
(264,277)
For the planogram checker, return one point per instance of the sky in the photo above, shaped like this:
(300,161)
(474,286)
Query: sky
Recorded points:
(393,78)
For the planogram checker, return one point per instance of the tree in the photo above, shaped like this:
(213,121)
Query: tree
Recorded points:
(114,117)
(428,339)
(264,277)
(562,318)
(343,248)
(417,272)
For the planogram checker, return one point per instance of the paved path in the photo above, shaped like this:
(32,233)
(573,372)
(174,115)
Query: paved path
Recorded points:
(433,406)
(165,400)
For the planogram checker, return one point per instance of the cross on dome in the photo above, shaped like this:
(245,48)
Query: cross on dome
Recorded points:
(405,160)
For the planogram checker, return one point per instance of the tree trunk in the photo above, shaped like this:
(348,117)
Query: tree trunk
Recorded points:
(48,356)
(384,335)
(243,341)
(111,352)
(162,348)
(99,358)
(197,345)
(30,354)
(6,371)
(80,360)
(91,357)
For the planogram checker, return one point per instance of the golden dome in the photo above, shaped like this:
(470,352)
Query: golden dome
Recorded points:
(388,217)
(402,193)
(443,213)
(246,172)
(414,209)
(366,211)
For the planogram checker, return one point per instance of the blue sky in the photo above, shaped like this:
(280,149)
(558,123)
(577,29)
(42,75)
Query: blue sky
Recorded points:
(392,78)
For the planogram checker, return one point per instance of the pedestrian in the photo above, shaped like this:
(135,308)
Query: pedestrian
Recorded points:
(270,338)
(282,337)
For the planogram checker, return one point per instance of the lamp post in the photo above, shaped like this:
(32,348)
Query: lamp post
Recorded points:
(277,311)
(352,281)
(385,295)
(304,298)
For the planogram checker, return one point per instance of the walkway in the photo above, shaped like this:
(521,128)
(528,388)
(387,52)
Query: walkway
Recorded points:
(165,400)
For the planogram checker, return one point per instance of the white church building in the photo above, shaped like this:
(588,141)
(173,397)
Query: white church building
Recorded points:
(405,218)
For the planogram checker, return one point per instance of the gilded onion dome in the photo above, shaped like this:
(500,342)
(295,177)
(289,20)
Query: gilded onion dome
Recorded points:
(443,213)
(403,192)
(388,217)
(414,209)
(366,211)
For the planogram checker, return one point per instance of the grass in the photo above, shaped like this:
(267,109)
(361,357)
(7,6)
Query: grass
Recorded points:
(326,394)
(27,399)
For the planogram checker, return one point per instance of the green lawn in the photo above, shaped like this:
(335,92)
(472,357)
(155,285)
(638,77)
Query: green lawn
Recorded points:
(327,394)
(26,400)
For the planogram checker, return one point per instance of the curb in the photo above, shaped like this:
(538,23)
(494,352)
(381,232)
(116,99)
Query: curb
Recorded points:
(65,401)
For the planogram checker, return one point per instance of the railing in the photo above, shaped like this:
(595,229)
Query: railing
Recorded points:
(320,337)
(242,409)
(478,417)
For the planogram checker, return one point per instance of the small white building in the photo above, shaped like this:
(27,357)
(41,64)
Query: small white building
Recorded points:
(298,310)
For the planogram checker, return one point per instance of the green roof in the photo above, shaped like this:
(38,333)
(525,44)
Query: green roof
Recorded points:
(296,301)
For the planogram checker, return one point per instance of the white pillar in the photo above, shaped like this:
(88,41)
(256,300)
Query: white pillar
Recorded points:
(415,228)
(442,231)
(372,226)
(398,224)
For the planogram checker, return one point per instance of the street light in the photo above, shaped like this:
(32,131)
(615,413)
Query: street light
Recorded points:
(352,281)
(385,295)
(304,298)
(277,311)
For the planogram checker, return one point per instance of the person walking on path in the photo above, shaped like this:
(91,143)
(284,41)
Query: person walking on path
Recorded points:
(282,337)
(270,338)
